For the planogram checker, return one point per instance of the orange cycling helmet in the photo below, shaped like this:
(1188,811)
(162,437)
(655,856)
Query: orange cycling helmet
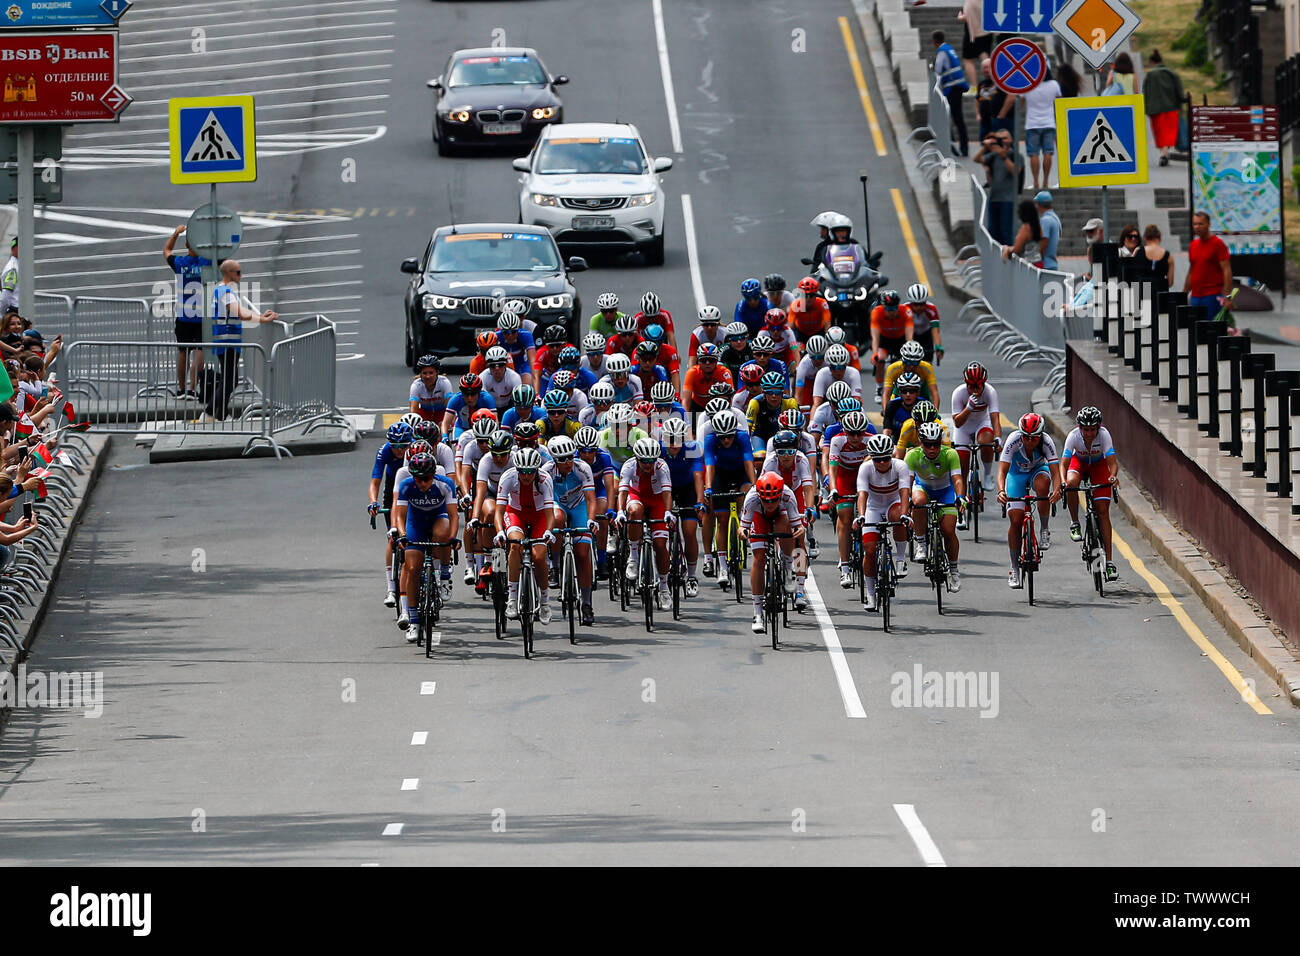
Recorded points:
(770,486)
(482,413)
(485,340)
(808,286)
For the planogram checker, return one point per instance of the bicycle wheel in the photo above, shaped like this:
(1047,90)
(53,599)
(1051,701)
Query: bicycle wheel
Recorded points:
(397,581)
(647,582)
(1029,585)
(773,597)
(526,609)
(1096,565)
(976,506)
(676,580)
(569,594)
(499,590)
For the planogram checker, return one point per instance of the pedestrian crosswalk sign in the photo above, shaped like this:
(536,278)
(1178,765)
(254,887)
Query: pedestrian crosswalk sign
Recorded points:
(1101,140)
(213,139)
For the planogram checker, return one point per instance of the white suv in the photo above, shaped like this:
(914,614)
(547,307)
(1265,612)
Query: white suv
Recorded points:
(594,185)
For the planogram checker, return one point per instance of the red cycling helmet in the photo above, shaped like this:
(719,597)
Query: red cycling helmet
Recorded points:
(482,412)
(808,286)
(750,373)
(1031,424)
(470,382)
(645,408)
(976,374)
(774,318)
(770,486)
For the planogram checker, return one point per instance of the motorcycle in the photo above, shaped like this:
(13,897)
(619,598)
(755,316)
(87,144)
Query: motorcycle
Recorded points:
(850,283)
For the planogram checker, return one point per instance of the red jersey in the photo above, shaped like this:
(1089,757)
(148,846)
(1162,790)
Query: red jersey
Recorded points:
(664,318)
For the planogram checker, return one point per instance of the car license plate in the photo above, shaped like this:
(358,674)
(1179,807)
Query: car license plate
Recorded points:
(593,222)
(498,129)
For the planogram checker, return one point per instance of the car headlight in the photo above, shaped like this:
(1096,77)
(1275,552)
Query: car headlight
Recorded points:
(440,303)
(543,112)
(541,199)
(861,294)
(561,301)
(458,116)
(646,200)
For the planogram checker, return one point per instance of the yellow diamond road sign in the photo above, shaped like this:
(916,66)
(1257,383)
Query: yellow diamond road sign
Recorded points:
(1095,29)
(213,139)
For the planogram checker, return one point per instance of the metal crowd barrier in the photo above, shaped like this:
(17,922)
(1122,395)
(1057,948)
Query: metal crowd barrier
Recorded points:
(935,152)
(302,380)
(115,320)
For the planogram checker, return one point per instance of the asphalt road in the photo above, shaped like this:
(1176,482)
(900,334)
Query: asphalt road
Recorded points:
(258,685)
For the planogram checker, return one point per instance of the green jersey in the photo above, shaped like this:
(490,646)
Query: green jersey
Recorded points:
(599,324)
(620,453)
(936,473)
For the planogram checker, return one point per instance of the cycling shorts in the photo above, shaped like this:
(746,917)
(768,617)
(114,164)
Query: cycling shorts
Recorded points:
(725,483)
(968,434)
(1098,473)
(532,523)
(763,524)
(576,518)
(892,345)
(944,496)
(684,497)
(846,483)
(1021,483)
(876,513)
(926,339)
(419,526)
(654,505)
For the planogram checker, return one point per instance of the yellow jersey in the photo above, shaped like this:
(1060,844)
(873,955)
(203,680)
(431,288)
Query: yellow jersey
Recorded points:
(928,381)
(907,437)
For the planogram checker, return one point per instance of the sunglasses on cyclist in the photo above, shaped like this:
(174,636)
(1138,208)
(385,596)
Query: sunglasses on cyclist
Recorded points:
(526,471)
(909,391)
(587,451)
(708,361)
(786,452)
(879,458)
(931,444)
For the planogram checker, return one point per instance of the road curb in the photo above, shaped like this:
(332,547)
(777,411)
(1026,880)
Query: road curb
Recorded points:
(1181,553)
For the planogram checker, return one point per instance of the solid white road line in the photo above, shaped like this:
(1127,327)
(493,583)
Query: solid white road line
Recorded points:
(919,834)
(661,40)
(692,250)
(393,829)
(848,690)
(428,686)
(411,783)
(420,737)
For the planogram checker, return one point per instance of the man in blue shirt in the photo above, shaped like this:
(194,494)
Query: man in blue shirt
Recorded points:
(229,313)
(1051,226)
(952,83)
(189,310)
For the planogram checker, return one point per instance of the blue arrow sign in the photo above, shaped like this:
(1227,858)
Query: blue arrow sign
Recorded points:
(65,13)
(1020,16)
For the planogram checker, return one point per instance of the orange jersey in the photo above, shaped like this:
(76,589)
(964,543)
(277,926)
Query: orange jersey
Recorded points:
(695,390)
(478,364)
(891,325)
(811,318)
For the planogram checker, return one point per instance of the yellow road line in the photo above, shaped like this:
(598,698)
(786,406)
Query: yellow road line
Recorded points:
(861,80)
(392,418)
(1158,588)
(912,250)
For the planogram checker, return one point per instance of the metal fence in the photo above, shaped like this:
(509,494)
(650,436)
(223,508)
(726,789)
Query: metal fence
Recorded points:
(935,151)
(302,381)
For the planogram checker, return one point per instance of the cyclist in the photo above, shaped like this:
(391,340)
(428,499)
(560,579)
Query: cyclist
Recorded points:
(554,340)
(775,323)
(814,357)
(709,330)
(925,321)
(836,336)
(703,375)
(645,488)
(646,367)
(602,322)
(824,416)
(792,465)
(620,435)
(809,313)
(485,341)
(518,343)
(763,413)
(486,481)
(569,360)
(728,469)
(627,388)
(1029,462)
(845,407)
(470,399)
(593,358)
(575,507)
(566,382)
(793,419)
(523,408)
(764,348)
(1089,450)
(429,390)
(625,337)
(899,409)
(922,412)
(529,435)
(557,422)
(468,456)
(845,455)
(666,354)
(666,406)
(769,507)
(737,351)
(383,478)
(500,380)
(884,494)
(605,476)
(890,328)
(653,313)
(976,418)
(420,514)
(685,460)
(836,369)
(936,473)
(525,509)
(602,398)
(776,292)
(431,434)
(911,358)
(705,426)
(753,305)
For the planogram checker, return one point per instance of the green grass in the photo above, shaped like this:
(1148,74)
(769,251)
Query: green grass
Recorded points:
(1170,26)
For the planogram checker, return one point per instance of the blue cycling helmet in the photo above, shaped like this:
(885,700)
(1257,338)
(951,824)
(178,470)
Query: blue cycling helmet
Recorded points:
(556,400)
(847,405)
(772,382)
(400,433)
(569,355)
(751,288)
(785,440)
(654,332)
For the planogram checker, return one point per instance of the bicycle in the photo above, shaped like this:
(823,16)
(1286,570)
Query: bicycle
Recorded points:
(430,601)
(775,602)
(570,596)
(618,559)
(855,543)
(646,577)
(498,591)
(677,559)
(974,484)
(530,595)
(736,552)
(936,557)
(394,567)
(886,576)
(1030,553)
(1094,557)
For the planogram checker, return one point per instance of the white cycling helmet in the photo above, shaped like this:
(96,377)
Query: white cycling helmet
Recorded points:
(817,346)
(930,431)
(836,392)
(593,342)
(736,330)
(709,313)
(601,392)
(725,422)
(586,437)
(507,321)
(917,293)
(483,428)
(878,446)
(607,300)
(835,335)
(526,458)
(716,405)
(661,392)
(618,364)
(625,325)
(650,304)
(411,418)
(496,355)
(621,414)
(647,449)
(911,351)
(675,431)
(837,356)
(561,447)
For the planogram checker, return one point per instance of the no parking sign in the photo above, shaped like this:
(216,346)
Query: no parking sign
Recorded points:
(1018,65)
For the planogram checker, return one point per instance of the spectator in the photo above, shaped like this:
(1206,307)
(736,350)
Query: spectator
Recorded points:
(1029,238)
(999,155)
(984,103)
(1069,80)
(1093,233)
(1162,92)
(952,83)
(1004,106)
(228,315)
(1130,243)
(1040,128)
(9,280)
(11,334)
(1051,225)
(189,311)
(1159,262)
(1209,277)
(1119,81)
(975,43)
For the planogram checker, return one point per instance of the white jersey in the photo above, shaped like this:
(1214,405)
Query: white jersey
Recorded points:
(403,473)
(512,492)
(578,402)
(845,455)
(446,460)
(740,401)
(464,443)
(826,375)
(1100,449)
(575,485)
(702,335)
(805,372)
(500,389)
(822,419)
(785,340)
(883,488)
(800,476)
(621,393)
(656,483)
(589,416)
(788,504)
(433,402)
(596,367)
(472,456)
(490,472)
(807,444)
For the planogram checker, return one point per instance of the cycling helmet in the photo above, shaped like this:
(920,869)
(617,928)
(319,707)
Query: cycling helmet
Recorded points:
(618,364)
(625,325)
(725,422)
(524,395)
(785,440)
(721,390)
(835,335)
(483,428)
(736,331)
(485,340)
(763,344)
(418,447)
(644,408)
(855,423)
(924,411)
(772,382)
(654,332)
(890,300)
(917,293)
(647,350)
(846,405)
(400,433)
(1089,416)
(707,350)
(808,286)
(526,459)
(498,356)
(569,355)
(716,405)
(770,487)
(554,334)
(816,346)
(412,419)
(647,449)
(976,374)
(561,448)
(709,315)
(837,356)
(751,288)
(621,414)
(650,304)
(527,432)
(508,322)
(774,282)
(483,413)
(556,400)
(470,382)
(606,301)
(501,442)
(930,431)
(601,393)
(429,431)
(908,380)
(587,437)
(911,352)
(792,419)
(422,466)
(1031,424)
(879,446)
(593,342)
(774,318)
(428,361)
(751,373)
(663,393)
(838,391)
(564,380)
(675,431)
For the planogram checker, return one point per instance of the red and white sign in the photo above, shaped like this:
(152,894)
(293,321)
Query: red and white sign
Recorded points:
(60,78)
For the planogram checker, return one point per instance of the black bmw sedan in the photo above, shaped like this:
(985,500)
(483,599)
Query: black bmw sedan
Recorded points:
(494,97)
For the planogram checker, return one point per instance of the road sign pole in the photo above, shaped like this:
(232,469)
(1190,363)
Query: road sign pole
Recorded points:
(209,308)
(26,221)
(1105,215)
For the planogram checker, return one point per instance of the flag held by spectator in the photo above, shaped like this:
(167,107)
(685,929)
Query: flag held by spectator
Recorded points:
(24,427)
(42,456)
(40,474)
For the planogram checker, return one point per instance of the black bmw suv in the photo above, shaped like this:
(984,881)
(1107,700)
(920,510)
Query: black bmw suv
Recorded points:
(491,97)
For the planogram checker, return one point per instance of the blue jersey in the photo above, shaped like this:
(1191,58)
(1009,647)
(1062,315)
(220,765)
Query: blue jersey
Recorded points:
(512,417)
(685,465)
(649,375)
(627,394)
(752,315)
(583,381)
(518,349)
(387,462)
(676,410)
(727,459)
(429,503)
(457,405)
(776,365)
(601,466)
